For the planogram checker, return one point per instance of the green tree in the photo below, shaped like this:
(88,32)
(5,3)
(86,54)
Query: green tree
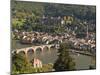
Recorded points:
(17,24)
(65,61)
(20,65)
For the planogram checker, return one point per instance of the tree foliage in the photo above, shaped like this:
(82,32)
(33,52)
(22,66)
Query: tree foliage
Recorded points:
(65,61)
(28,15)
(21,66)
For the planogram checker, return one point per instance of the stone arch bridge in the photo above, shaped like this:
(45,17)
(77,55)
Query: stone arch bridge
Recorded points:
(34,48)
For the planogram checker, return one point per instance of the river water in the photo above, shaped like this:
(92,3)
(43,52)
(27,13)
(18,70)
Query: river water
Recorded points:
(81,61)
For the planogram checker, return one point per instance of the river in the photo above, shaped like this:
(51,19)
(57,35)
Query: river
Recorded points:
(82,61)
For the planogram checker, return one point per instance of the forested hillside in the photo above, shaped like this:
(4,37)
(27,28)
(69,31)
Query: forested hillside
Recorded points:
(42,16)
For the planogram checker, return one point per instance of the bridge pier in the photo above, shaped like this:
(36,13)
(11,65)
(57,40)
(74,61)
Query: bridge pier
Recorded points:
(49,49)
(26,56)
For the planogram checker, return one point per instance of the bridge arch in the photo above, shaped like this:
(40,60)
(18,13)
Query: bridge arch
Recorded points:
(38,49)
(50,46)
(30,50)
(45,48)
(21,52)
(30,53)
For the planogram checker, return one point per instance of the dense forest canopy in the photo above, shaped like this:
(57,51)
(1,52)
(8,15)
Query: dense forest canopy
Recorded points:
(52,9)
(28,14)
